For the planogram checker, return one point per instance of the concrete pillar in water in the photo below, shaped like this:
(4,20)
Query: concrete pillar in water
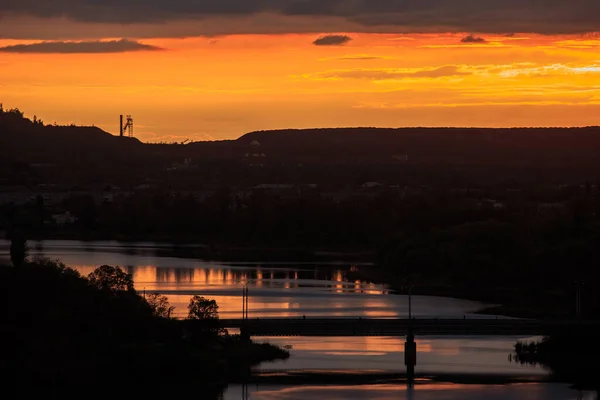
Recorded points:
(244,336)
(410,357)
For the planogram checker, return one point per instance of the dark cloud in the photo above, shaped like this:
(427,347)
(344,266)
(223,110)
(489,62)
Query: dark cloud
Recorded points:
(387,74)
(96,46)
(472,39)
(288,16)
(332,40)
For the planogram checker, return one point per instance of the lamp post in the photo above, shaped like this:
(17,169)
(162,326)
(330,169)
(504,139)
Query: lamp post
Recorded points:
(245,336)
(410,346)
(409,302)
(408,286)
(245,300)
(578,284)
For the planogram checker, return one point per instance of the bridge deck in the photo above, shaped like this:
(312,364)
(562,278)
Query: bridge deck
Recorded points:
(400,327)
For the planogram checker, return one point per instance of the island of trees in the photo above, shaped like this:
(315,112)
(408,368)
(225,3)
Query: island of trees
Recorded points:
(95,336)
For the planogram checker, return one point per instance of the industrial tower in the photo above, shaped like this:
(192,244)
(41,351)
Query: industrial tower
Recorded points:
(127,127)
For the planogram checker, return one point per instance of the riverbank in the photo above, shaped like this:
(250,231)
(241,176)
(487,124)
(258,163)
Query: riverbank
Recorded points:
(506,301)
(186,246)
(501,301)
(571,357)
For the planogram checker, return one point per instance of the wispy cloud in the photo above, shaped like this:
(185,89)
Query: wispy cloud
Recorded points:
(357,57)
(390,74)
(332,40)
(91,47)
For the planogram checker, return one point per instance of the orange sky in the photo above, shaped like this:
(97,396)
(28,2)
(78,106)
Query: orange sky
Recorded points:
(203,88)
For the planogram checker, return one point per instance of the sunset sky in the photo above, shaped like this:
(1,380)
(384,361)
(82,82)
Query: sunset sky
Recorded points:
(208,70)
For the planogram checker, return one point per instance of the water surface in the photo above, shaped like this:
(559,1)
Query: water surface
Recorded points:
(316,291)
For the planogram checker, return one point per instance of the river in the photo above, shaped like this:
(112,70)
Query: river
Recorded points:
(314,291)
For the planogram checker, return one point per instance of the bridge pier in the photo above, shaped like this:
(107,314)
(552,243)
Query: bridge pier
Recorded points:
(244,336)
(410,357)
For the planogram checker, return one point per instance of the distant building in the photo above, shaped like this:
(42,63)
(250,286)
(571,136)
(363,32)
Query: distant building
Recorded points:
(185,165)
(551,206)
(491,203)
(371,185)
(65,218)
(254,157)
(401,157)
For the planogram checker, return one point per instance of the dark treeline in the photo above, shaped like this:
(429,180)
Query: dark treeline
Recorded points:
(366,220)
(65,335)
(531,260)
(571,357)
(525,249)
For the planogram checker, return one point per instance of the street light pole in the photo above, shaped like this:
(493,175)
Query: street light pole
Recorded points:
(578,285)
(247,297)
(410,346)
(410,302)
(244,330)
(245,300)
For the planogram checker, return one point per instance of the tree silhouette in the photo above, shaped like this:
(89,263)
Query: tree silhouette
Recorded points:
(160,305)
(111,279)
(202,308)
(18,251)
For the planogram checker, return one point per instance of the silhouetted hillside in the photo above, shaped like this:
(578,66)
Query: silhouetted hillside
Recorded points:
(72,155)
(521,147)
(457,146)
(27,140)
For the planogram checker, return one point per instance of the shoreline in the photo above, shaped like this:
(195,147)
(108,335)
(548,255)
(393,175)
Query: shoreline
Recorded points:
(496,302)
(190,248)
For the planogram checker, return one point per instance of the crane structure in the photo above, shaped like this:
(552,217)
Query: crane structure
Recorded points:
(128,127)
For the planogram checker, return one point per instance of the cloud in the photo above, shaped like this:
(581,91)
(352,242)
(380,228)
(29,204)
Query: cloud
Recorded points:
(361,57)
(392,74)
(162,18)
(332,40)
(96,46)
(472,39)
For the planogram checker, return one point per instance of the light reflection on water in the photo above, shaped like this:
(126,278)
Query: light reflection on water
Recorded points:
(296,290)
(474,355)
(431,391)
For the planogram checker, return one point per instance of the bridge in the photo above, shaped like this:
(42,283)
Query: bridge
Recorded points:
(402,327)
(396,327)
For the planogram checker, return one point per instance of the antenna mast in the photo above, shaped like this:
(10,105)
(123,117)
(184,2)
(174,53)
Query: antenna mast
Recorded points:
(128,127)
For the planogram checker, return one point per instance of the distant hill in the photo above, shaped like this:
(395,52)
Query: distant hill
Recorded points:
(517,146)
(23,139)
(28,140)
(89,154)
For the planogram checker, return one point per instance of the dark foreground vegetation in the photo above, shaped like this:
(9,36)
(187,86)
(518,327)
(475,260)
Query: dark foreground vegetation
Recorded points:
(571,357)
(64,335)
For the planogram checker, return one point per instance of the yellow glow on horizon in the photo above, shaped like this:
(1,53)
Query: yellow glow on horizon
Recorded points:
(201,88)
